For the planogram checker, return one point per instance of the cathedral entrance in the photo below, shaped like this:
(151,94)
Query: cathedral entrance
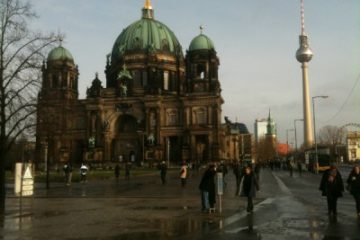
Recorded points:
(202,149)
(126,146)
(174,150)
(126,150)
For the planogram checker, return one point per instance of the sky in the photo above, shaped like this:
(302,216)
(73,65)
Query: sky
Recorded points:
(256,41)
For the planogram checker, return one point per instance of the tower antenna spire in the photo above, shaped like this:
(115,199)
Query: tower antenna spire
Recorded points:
(302,14)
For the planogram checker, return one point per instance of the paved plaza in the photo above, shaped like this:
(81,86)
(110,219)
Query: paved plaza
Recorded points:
(285,208)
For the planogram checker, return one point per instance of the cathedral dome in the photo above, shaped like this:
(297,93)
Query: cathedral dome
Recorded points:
(201,42)
(146,34)
(60,54)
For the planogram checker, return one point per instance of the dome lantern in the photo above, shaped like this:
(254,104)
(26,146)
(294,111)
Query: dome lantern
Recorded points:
(148,11)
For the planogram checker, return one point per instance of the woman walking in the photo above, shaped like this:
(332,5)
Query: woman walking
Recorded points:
(249,188)
(332,187)
(353,185)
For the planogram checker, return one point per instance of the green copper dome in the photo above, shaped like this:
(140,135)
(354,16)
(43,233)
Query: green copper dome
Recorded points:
(146,34)
(60,53)
(201,42)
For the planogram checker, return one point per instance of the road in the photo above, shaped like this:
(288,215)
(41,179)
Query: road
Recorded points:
(285,208)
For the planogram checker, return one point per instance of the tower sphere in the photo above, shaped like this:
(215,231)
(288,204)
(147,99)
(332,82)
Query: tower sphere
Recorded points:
(304,53)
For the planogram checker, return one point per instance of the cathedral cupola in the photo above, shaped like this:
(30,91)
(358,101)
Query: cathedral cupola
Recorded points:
(202,65)
(152,54)
(60,75)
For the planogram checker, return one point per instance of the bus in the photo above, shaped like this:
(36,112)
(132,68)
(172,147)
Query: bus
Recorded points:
(324,159)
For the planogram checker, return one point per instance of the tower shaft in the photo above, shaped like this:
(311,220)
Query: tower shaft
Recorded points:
(308,131)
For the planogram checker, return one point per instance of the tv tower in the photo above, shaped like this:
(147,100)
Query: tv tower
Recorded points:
(304,55)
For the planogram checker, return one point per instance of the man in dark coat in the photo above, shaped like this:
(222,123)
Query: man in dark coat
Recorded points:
(207,188)
(332,187)
(249,187)
(353,185)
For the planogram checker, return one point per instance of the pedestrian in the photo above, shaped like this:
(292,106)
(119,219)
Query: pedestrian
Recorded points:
(290,167)
(332,187)
(353,186)
(127,170)
(163,170)
(257,170)
(249,188)
(83,173)
(207,188)
(183,174)
(117,171)
(237,169)
(299,165)
(68,173)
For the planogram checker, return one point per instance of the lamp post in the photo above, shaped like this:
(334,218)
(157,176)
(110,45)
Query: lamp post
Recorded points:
(296,120)
(287,140)
(316,150)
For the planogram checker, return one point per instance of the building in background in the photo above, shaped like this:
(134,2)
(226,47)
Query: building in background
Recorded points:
(157,105)
(353,146)
(237,142)
(266,145)
(260,128)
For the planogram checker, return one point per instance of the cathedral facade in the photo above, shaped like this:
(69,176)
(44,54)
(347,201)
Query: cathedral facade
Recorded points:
(157,105)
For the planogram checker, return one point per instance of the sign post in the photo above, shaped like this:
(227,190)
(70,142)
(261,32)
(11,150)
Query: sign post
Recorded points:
(220,188)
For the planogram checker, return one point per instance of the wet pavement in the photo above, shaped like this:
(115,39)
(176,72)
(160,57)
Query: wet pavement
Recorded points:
(285,208)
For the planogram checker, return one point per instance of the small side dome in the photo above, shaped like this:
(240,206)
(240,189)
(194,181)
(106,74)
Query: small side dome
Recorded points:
(201,42)
(60,54)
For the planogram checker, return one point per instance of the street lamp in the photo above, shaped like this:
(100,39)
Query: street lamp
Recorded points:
(296,120)
(287,140)
(316,150)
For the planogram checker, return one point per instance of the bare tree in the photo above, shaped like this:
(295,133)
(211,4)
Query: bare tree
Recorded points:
(21,57)
(331,135)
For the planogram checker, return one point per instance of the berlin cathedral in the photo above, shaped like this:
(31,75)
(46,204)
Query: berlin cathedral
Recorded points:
(157,104)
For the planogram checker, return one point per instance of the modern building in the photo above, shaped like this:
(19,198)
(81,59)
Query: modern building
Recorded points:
(260,128)
(157,104)
(353,146)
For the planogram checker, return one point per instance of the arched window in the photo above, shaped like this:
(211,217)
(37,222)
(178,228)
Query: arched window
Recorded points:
(166,80)
(127,124)
(200,116)
(172,117)
(136,77)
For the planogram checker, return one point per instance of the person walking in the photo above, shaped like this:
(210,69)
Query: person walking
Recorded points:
(353,185)
(163,170)
(237,169)
(332,187)
(183,174)
(68,173)
(207,188)
(83,173)
(299,165)
(117,171)
(127,170)
(249,188)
